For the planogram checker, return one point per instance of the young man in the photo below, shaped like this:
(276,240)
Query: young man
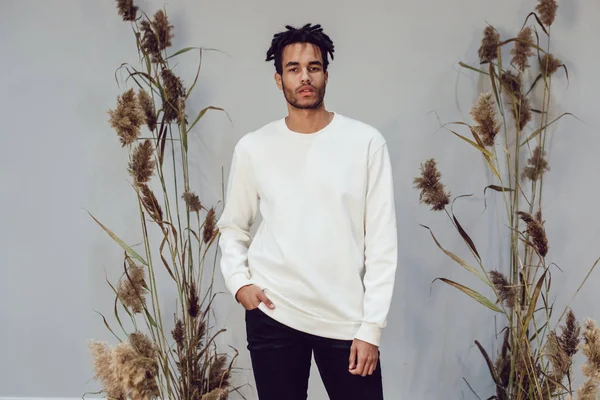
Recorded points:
(318,276)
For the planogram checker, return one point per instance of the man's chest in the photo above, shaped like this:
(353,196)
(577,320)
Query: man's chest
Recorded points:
(311,172)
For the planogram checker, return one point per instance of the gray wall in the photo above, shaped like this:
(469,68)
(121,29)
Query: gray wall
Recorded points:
(396,61)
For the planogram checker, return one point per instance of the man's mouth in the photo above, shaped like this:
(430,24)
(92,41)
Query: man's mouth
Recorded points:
(306,90)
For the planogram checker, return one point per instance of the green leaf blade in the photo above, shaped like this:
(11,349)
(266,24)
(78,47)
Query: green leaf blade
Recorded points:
(123,245)
(473,294)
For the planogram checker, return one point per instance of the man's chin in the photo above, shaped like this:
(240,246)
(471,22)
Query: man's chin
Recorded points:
(306,106)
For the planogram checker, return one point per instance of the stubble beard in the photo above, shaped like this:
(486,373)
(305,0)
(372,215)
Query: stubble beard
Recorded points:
(292,99)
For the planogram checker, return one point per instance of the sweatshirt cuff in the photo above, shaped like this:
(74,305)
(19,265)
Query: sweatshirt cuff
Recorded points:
(236,282)
(369,333)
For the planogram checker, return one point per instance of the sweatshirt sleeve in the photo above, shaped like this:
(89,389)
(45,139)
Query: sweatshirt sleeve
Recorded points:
(239,213)
(380,247)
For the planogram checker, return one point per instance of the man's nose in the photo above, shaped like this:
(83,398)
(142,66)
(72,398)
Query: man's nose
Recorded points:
(305,76)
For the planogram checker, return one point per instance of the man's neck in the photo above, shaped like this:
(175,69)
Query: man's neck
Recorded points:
(308,121)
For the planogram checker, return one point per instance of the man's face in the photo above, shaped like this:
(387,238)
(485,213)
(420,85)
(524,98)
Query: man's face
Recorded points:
(303,80)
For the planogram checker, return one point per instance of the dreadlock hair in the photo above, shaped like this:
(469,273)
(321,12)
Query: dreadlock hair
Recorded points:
(307,34)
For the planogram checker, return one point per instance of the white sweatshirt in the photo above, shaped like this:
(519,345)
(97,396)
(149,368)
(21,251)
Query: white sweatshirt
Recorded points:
(325,252)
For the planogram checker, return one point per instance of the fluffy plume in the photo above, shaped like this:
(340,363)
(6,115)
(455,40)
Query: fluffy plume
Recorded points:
(141,165)
(432,190)
(201,330)
(131,288)
(503,366)
(193,301)
(209,226)
(148,107)
(511,82)
(536,231)
(522,111)
(537,165)
(178,332)
(219,373)
(163,29)
(156,36)
(127,117)
(124,371)
(569,339)
(174,92)
(217,394)
(591,369)
(549,64)
(522,49)
(547,11)
(181,116)
(143,345)
(488,51)
(558,357)
(538,217)
(103,369)
(589,389)
(150,202)
(560,361)
(137,374)
(127,10)
(150,42)
(506,292)
(591,348)
(193,201)
(484,113)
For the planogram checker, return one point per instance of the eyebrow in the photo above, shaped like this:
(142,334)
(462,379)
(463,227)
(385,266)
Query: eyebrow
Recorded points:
(297,63)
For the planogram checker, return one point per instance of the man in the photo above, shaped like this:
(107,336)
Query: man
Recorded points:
(318,276)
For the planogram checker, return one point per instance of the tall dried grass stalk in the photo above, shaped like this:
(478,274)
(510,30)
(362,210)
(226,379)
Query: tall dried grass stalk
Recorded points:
(535,361)
(153,360)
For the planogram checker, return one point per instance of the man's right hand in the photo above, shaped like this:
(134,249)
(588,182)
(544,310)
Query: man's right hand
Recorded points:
(250,296)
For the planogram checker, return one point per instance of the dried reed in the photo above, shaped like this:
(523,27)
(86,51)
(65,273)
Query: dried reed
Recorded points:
(154,361)
(535,361)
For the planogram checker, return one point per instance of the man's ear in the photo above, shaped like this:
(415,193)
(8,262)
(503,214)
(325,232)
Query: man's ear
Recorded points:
(326,76)
(278,80)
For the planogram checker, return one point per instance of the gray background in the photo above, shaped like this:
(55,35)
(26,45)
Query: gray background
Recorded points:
(396,61)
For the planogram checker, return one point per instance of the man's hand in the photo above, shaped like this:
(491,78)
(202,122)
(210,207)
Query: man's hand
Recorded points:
(250,296)
(363,358)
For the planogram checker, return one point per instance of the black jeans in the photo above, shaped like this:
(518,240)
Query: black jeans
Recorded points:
(281,359)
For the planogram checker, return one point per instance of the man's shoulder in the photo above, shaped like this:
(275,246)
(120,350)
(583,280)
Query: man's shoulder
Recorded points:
(363,130)
(256,136)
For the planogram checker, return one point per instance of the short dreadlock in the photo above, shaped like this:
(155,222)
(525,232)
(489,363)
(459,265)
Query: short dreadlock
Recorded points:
(307,34)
